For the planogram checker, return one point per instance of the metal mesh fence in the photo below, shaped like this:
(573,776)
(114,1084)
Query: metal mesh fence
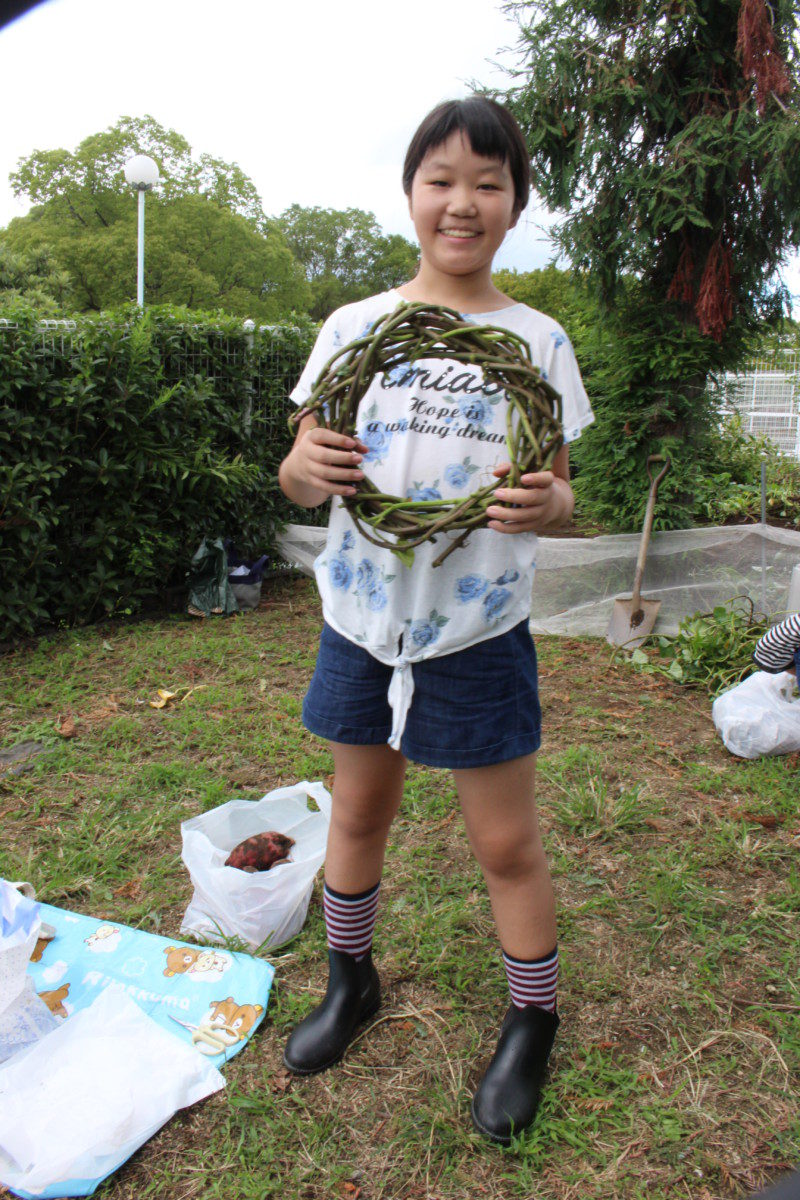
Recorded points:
(766,395)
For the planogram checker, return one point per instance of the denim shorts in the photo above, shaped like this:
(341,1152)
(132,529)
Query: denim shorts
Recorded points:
(472,708)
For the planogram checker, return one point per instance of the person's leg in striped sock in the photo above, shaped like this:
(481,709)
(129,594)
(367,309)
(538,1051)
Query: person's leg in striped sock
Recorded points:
(368,788)
(350,920)
(499,811)
(532,981)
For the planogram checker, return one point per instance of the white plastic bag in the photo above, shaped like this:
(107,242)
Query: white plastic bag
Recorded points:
(266,907)
(19,929)
(80,1102)
(760,716)
(24,1018)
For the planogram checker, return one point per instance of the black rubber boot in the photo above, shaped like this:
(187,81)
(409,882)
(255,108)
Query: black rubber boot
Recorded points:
(353,995)
(508,1095)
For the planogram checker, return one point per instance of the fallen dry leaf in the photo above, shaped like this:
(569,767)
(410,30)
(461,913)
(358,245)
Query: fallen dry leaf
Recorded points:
(280,1082)
(65,727)
(766,820)
(164,698)
(657,823)
(131,890)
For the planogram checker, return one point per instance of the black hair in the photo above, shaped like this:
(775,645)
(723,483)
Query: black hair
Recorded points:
(491,131)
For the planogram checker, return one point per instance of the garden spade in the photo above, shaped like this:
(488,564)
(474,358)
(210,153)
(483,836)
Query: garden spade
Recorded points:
(633,618)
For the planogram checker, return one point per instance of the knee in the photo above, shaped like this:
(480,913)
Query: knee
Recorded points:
(361,816)
(508,856)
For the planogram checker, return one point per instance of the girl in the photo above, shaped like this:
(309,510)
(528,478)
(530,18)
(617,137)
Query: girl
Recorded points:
(438,665)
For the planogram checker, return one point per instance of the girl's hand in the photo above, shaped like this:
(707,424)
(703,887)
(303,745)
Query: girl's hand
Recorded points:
(543,498)
(321,463)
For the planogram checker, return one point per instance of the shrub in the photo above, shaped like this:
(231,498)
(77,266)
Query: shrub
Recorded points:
(731,491)
(123,439)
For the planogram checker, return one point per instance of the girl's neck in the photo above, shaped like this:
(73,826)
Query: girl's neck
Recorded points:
(465,293)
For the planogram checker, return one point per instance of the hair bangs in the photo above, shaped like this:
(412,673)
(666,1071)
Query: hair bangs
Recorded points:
(491,131)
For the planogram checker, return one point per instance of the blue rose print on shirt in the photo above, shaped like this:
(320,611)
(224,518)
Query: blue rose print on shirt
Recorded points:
(377,598)
(471,587)
(341,573)
(340,568)
(476,587)
(366,575)
(475,409)
(370,583)
(419,492)
(457,474)
(425,633)
(558,339)
(399,376)
(495,601)
(376,437)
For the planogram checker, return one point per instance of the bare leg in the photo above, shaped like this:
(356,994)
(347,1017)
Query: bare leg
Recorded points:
(500,815)
(499,808)
(367,791)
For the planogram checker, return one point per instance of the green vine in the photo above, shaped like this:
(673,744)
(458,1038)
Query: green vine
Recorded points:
(421,331)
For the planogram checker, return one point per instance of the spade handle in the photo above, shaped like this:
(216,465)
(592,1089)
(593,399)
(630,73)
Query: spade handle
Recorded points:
(648,524)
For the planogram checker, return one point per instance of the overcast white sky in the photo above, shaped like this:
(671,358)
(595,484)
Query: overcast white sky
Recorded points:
(315,100)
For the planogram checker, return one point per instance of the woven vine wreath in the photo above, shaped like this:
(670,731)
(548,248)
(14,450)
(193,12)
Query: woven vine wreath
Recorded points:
(424,331)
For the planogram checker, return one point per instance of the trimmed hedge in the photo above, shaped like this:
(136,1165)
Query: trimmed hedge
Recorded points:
(126,437)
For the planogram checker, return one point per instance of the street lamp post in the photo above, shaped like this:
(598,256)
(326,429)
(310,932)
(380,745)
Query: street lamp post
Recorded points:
(142,174)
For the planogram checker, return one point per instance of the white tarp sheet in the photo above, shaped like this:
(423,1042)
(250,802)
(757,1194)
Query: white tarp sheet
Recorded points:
(689,570)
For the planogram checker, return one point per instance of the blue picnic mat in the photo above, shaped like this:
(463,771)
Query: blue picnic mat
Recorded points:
(210,997)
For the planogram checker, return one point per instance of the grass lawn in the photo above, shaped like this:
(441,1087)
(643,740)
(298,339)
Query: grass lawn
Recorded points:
(676,871)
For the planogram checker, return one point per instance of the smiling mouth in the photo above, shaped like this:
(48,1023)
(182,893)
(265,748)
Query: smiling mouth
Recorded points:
(463,234)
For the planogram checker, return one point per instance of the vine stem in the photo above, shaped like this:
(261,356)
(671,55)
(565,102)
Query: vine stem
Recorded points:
(416,332)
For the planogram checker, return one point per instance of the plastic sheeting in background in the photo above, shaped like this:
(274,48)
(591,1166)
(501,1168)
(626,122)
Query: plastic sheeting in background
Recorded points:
(689,570)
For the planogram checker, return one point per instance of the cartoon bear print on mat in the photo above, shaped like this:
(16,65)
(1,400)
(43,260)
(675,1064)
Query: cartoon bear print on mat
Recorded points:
(55,1000)
(185,960)
(39,949)
(231,1022)
(104,940)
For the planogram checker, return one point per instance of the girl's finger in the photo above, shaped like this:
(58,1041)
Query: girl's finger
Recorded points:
(522,497)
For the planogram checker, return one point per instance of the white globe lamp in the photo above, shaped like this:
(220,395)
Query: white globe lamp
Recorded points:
(142,174)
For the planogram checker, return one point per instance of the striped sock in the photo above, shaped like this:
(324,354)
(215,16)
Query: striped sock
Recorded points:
(350,920)
(533,982)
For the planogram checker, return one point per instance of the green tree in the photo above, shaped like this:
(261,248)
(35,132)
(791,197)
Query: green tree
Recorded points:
(669,134)
(35,278)
(209,244)
(345,255)
(89,182)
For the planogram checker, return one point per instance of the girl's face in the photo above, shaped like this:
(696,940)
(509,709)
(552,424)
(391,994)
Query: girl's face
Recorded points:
(462,206)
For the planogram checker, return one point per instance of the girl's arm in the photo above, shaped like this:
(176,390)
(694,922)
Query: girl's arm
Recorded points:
(543,499)
(321,463)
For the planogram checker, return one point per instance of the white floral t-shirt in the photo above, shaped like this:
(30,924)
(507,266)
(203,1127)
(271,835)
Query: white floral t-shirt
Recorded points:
(433,429)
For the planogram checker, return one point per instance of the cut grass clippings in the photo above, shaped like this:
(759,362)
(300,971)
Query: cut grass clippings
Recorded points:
(675,1072)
